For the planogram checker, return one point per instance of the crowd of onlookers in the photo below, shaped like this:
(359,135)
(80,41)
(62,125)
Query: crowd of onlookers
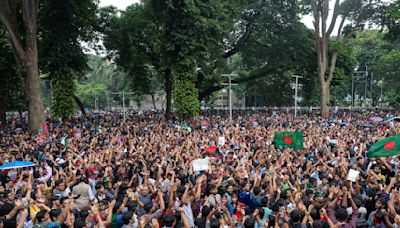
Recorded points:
(98,171)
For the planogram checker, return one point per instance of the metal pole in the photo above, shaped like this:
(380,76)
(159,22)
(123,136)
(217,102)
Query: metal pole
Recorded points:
(370,89)
(108,104)
(230,98)
(352,90)
(95,101)
(123,104)
(295,93)
(295,97)
(381,96)
(230,91)
(365,87)
(255,96)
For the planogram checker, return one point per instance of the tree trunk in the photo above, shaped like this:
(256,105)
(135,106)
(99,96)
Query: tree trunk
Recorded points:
(32,83)
(3,116)
(153,100)
(325,97)
(168,92)
(21,118)
(79,103)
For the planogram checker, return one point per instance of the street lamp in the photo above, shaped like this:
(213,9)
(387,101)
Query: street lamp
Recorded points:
(230,92)
(380,84)
(295,93)
(123,93)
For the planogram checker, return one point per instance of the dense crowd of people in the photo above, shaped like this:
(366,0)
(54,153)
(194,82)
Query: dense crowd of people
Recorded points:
(107,173)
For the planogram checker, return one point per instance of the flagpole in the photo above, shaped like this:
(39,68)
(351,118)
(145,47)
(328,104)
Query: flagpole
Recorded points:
(230,97)
(123,104)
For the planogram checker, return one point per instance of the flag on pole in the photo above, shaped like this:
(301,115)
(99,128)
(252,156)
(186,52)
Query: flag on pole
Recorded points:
(289,139)
(389,146)
(65,140)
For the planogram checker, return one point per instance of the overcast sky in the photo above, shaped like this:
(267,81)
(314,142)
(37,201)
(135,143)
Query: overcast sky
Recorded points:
(120,4)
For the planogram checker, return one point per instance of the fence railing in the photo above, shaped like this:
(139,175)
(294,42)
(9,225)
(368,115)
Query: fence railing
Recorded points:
(313,108)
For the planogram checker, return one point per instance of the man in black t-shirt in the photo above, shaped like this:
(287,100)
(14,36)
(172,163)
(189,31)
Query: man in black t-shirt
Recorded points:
(9,209)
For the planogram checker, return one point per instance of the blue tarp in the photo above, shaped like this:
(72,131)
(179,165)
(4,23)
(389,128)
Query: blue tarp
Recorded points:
(17,164)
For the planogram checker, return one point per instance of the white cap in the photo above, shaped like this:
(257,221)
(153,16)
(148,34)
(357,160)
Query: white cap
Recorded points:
(362,210)
(349,210)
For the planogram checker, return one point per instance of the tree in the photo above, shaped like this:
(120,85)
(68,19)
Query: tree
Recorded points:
(390,18)
(11,96)
(258,34)
(24,46)
(62,58)
(173,38)
(132,39)
(386,68)
(355,11)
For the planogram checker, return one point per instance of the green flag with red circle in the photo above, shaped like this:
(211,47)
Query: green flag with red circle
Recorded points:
(389,146)
(289,139)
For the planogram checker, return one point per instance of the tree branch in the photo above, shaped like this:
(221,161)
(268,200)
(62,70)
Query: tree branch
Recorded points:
(264,71)
(325,37)
(332,67)
(231,52)
(241,40)
(334,18)
(29,15)
(340,28)
(5,19)
(318,44)
(359,19)
(325,12)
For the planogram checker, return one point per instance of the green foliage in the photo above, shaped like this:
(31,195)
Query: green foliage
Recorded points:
(391,19)
(103,77)
(185,98)
(388,70)
(61,57)
(132,40)
(63,104)
(275,90)
(10,78)
(382,56)
(88,93)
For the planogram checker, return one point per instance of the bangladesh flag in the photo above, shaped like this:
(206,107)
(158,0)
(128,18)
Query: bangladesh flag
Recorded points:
(386,147)
(65,140)
(289,139)
(212,151)
(196,124)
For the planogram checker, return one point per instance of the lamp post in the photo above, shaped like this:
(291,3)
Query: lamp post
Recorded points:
(230,92)
(295,93)
(95,100)
(380,83)
(123,101)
